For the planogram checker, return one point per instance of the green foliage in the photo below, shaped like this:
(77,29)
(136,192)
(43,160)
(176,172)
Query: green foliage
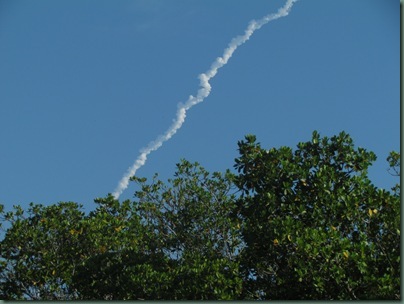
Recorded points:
(123,275)
(394,161)
(40,251)
(314,225)
(191,224)
(191,215)
(292,224)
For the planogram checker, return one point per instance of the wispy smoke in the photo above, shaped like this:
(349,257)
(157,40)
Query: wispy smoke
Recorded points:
(202,93)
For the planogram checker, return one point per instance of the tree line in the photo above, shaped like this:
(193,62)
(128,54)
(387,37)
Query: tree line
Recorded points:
(304,223)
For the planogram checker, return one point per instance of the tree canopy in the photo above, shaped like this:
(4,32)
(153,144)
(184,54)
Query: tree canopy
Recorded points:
(306,224)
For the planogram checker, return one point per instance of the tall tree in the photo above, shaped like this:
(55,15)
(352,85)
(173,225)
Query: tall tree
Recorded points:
(302,224)
(314,225)
(184,248)
(40,251)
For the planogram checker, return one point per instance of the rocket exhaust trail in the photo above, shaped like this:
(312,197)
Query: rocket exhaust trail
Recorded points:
(202,93)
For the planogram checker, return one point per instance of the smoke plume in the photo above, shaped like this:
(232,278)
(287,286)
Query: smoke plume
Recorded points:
(202,93)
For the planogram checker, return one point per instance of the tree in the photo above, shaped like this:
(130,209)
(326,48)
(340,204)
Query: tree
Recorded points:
(303,224)
(123,261)
(185,247)
(314,225)
(40,252)
(190,218)
(174,241)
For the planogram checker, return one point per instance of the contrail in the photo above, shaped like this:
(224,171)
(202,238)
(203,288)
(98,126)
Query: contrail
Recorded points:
(202,93)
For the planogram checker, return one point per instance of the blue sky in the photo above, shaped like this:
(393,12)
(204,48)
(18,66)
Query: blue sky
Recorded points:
(85,84)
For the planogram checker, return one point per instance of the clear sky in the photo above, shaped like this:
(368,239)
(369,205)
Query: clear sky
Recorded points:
(85,84)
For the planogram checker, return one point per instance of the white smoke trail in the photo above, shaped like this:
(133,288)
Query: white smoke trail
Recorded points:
(202,93)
